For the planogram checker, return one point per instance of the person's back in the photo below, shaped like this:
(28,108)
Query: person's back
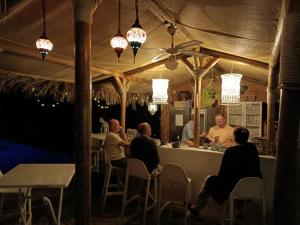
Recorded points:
(144,148)
(238,162)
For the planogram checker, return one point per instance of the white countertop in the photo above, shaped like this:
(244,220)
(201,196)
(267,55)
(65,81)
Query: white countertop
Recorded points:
(201,149)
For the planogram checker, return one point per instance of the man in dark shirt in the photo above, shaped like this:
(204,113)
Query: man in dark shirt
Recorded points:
(144,148)
(239,161)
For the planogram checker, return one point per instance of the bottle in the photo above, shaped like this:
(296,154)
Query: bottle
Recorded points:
(178,139)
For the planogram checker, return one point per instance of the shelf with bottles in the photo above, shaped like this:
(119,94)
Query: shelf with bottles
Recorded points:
(248,114)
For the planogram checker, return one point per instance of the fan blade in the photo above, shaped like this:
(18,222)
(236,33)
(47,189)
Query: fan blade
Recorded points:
(158,57)
(186,52)
(188,44)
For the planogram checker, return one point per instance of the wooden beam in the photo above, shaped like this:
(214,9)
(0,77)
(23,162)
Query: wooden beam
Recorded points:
(210,64)
(164,15)
(20,49)
(18,8)
(188,66)
(236,58)
(150,66)
(119,83)
(199,74)
(139,80)
(272,78)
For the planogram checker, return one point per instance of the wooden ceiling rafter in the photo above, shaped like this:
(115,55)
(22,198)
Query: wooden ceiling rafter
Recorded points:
(274,59)
(19,49)
(19,7)
(188,66)
(231,57)
(141,69)
(164,16)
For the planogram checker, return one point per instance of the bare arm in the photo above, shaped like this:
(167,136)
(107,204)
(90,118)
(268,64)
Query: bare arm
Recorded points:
(124,141)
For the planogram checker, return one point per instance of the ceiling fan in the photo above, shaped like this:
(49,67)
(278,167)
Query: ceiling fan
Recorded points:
(171,63)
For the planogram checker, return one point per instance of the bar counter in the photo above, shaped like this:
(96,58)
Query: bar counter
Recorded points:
(199,162)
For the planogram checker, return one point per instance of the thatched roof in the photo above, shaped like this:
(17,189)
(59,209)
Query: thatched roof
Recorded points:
(242,28)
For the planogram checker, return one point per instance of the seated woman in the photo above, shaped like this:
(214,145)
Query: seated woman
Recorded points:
(239,161)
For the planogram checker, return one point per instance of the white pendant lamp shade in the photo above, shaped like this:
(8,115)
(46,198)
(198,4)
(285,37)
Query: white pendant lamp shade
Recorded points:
(160,91)
(231,88)
(44,45)
(118,42)
(136,34)
(152,108)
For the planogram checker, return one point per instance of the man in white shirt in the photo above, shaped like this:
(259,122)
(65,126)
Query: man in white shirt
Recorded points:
(114,144)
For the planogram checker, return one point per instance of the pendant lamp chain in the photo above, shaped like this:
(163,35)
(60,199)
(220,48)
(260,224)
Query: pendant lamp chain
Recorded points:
(44,17)
(118,42)
(136,36)
(43,44)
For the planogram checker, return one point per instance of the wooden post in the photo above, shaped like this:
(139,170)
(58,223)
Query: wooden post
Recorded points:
(164,123)
(83,109)
(197,105)
(271,107)
(123,102)
(273,80)
(287,173)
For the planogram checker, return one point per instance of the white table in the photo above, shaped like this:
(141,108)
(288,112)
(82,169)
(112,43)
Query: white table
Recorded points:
(95,152)
(39,176)
(98,136)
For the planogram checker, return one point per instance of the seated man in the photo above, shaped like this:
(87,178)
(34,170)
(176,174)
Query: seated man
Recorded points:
(144,148)
(221,133)
(239,161)
(114,144)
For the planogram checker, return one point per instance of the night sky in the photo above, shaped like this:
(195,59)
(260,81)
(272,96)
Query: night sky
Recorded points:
(46,123)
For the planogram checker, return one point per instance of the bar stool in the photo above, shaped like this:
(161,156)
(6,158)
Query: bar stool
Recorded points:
(175,176)
(248,188)
(136,168)
(107,184)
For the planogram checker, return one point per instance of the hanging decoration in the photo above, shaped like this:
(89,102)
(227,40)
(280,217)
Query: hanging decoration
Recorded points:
(118,42)
(43,44)
(230,88)
(160,91)
(152,108)
(136,36)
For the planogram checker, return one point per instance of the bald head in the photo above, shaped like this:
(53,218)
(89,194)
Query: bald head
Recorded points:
(144,129)
(114,126)
(220,121)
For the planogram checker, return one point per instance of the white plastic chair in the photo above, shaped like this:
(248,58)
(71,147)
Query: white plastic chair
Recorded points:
(248,188)
(107,184)
(136,168)
(175,176)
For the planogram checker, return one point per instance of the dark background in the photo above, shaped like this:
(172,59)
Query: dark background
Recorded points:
(24,120)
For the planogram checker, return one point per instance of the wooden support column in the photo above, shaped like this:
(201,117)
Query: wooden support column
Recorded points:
(271,107)
(164,123)
(83,10)
(273,81)
(198,72)
(197,105)
(287,173)
(123,102)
